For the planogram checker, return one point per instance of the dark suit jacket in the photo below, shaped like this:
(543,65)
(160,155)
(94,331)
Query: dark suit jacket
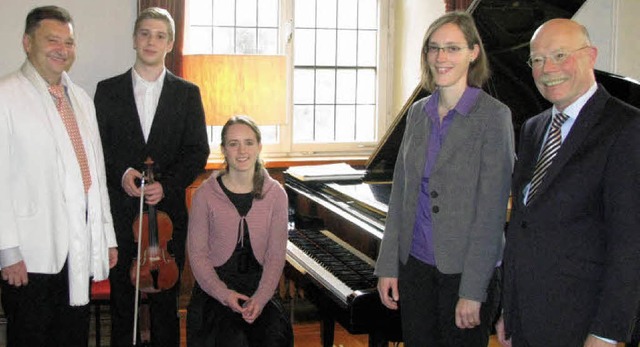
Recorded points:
(177,144)
(572,256)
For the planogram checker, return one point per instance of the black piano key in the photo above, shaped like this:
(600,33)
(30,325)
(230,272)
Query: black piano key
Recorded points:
(350,269)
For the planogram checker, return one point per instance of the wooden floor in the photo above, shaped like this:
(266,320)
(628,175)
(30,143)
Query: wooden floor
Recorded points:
(305,334)
(308,335)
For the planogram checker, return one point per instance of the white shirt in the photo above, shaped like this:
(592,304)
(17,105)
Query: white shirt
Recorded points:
(147,96)
(572,111)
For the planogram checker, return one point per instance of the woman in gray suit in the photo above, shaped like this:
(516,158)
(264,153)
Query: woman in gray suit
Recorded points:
(443,237)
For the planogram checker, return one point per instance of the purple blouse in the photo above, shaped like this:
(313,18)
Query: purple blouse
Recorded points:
(422,245)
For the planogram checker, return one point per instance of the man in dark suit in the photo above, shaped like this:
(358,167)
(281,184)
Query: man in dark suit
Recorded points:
(149,112)
(572,255)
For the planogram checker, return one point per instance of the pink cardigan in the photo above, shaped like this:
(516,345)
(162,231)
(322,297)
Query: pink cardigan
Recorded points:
(212,236)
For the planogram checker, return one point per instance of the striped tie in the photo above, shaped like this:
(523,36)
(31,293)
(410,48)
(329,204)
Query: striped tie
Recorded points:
(549,151)
(69,120)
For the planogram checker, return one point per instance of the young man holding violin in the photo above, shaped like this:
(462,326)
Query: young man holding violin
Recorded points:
(149,112)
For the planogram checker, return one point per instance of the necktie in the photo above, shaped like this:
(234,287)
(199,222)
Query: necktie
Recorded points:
(549,151)
(69,120)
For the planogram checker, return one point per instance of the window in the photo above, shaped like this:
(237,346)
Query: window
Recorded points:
(336,65)
(233,27)
(335,58)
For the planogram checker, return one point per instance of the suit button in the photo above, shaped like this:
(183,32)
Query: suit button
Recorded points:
(523,225)
(434,194)
(435,209)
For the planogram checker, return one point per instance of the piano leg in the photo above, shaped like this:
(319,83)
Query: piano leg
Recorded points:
(327,330)
(377,339)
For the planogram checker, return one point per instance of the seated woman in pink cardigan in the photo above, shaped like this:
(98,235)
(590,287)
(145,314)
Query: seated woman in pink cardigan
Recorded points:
(237,244)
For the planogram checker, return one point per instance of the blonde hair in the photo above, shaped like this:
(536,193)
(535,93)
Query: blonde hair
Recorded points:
(157,13)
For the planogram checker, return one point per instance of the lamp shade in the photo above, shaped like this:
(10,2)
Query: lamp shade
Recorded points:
(252,85)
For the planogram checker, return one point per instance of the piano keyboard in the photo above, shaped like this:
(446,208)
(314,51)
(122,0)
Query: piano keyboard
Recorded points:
(338,267)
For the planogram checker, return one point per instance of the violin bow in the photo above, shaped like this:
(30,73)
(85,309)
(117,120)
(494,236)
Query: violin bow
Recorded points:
(137,294)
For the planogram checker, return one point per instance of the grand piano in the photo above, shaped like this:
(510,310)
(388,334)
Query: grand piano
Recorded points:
(339,225)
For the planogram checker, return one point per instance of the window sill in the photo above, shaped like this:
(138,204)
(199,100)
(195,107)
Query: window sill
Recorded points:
(276,166)
(285,162)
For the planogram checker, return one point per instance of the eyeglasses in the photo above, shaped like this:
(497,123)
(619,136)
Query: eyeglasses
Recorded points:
(433,49)
(557,57)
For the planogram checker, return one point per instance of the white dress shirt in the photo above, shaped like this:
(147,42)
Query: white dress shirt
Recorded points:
(147,96)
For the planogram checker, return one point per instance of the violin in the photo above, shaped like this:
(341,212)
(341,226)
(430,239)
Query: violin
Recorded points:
(154,269)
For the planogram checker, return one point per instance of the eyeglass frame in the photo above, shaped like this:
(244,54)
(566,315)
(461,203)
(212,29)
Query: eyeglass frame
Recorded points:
(446,49)
(554,57)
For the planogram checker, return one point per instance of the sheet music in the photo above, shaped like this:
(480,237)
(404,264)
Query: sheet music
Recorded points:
(325,172)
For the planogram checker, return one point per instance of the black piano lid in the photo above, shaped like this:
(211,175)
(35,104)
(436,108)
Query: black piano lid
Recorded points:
(379,167)
(506,26)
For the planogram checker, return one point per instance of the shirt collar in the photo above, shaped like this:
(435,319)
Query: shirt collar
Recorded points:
(574,109)
(463,107)
(34,76)
(137,79)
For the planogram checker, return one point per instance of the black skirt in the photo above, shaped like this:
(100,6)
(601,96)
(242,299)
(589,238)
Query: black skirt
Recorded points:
(212,324)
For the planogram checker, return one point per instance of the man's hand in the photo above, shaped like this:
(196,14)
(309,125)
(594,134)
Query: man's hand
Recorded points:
(113,257)
(467,313)
(502,335)
(593,341)
(153,193)
(388,291)
(129,183)
(16,274)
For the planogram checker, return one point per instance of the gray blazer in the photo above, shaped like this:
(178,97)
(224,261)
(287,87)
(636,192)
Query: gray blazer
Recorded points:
(469,191)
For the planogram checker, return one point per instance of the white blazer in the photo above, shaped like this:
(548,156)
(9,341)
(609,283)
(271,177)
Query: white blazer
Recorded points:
(43,208)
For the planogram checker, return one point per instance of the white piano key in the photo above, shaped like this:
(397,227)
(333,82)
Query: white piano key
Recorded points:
(300,259)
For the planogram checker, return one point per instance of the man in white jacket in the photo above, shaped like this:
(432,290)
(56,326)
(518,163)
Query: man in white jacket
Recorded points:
(57,232)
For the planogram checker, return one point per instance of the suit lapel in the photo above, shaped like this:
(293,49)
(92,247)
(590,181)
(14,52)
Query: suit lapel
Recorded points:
(421,131)
(587,118)
(538,134)
(463,128)
(164,110)
(531,141)
(129,113)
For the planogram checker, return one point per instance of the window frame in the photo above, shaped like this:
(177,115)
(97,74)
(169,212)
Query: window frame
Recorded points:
(286,147)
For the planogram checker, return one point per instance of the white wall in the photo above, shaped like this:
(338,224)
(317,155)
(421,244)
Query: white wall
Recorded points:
(411,19)
(599,17)
(613,26)
(628,49)
(103,31)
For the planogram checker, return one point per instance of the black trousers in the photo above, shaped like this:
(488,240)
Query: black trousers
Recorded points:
(635,336)
(428,301)
(165,324)
(39,313)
